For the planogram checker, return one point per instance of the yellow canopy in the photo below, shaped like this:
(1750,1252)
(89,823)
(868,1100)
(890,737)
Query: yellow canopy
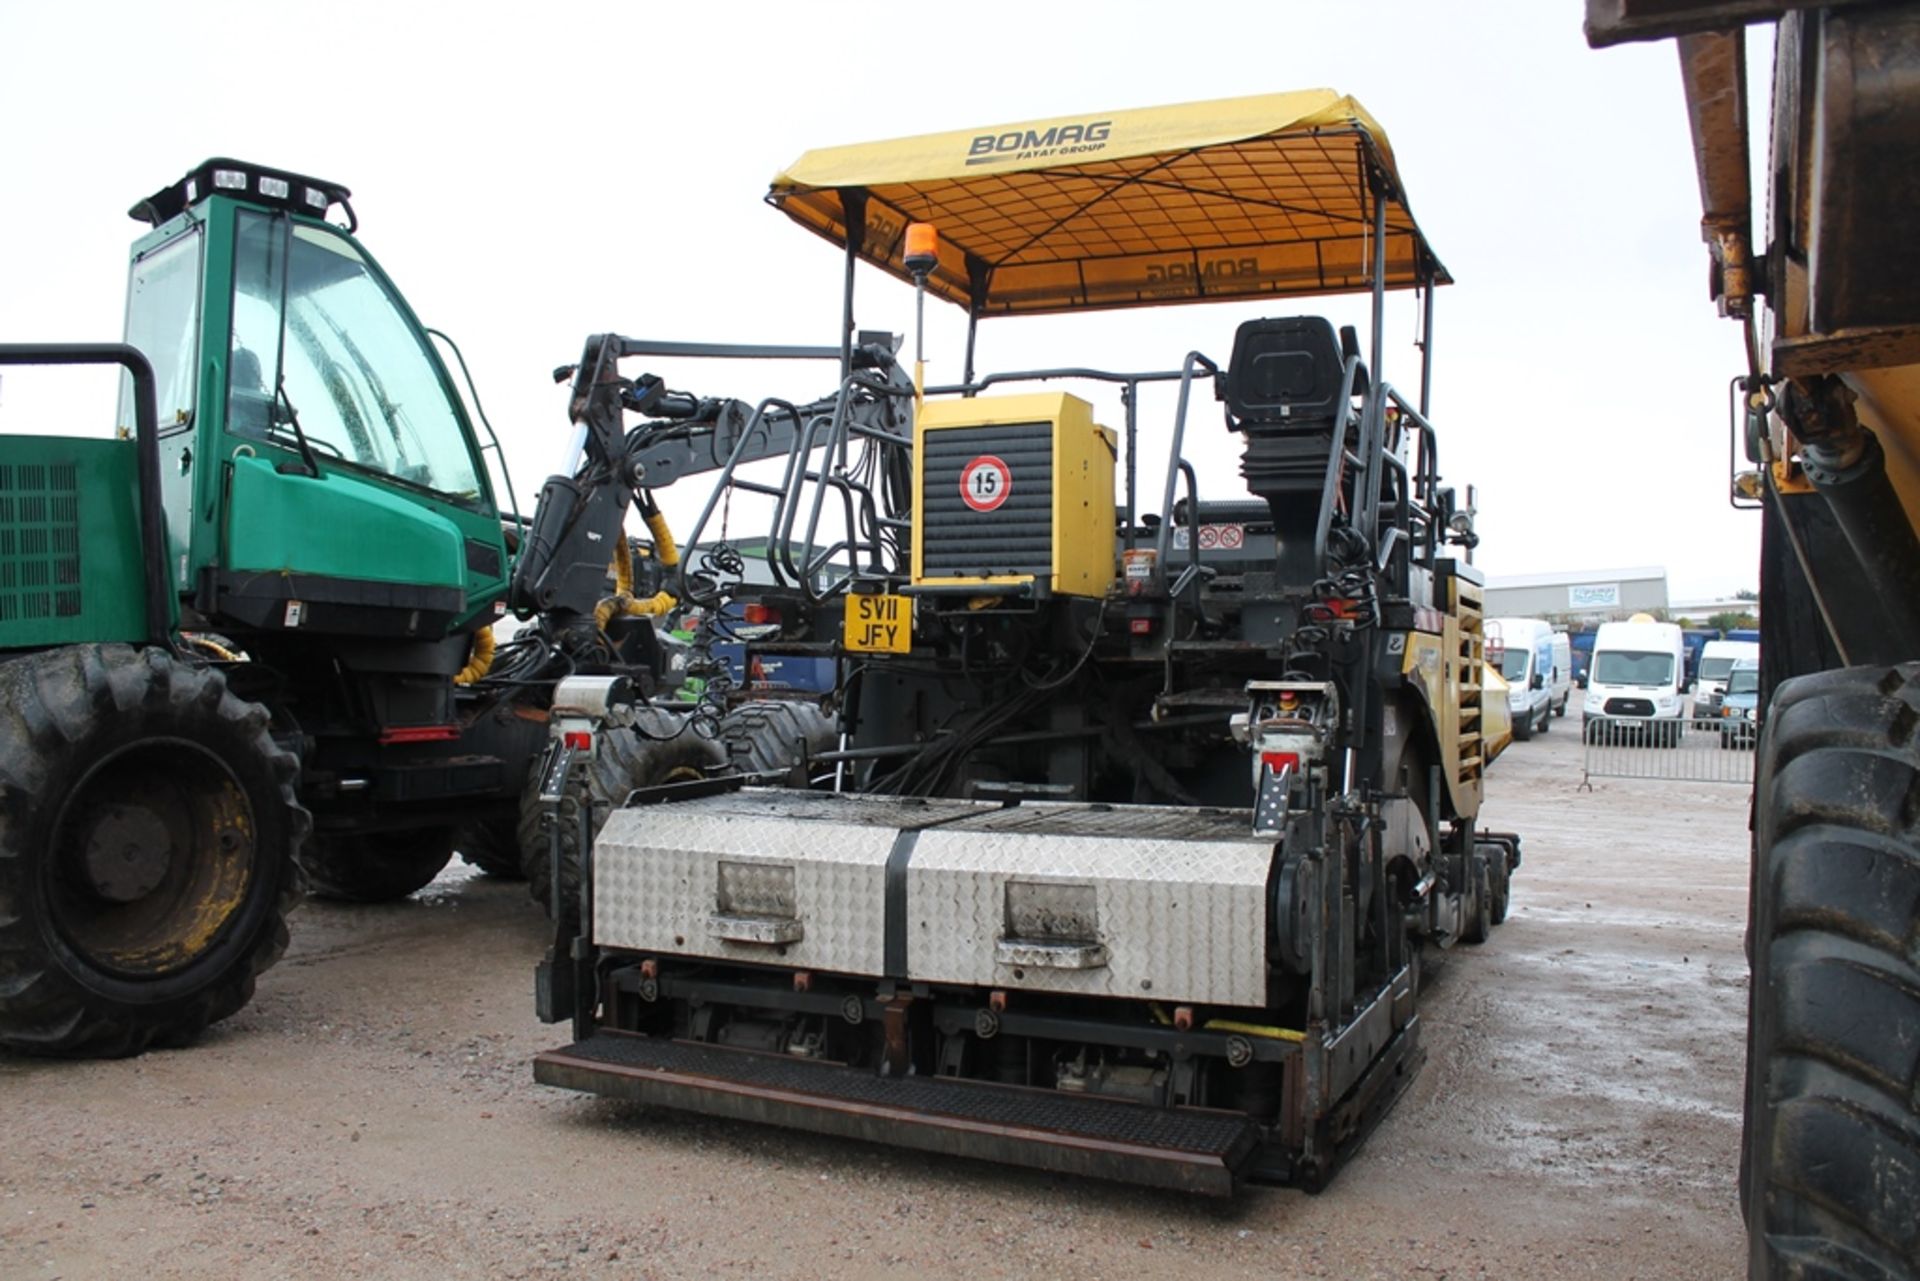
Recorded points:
(1239,198)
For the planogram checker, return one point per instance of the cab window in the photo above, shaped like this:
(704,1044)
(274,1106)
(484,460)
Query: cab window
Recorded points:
(342,357)
(163,317)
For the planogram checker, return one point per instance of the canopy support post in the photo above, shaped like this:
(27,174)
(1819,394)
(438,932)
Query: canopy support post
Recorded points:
(1426,344)
(853,206)
(979,276)
(1375,188)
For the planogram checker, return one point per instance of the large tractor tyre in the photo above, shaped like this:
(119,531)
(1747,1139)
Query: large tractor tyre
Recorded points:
(492,844)
(661,748)
(773,737)
(1831,1152)
(376,867)
(148,832)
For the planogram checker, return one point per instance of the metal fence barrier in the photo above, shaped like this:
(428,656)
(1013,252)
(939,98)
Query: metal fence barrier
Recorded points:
(1700,750)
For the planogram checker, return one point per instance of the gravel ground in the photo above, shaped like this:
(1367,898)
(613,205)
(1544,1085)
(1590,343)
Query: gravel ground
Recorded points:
(371,1114)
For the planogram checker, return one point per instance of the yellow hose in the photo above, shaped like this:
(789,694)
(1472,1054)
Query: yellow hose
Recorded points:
(208,645)
(479,658)
(1254,1029)
(664,549)
(622,603)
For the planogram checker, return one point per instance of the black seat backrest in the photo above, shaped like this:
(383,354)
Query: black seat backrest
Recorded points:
(1285,373)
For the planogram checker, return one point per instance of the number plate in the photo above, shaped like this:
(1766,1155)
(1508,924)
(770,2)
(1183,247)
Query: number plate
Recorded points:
(878,624)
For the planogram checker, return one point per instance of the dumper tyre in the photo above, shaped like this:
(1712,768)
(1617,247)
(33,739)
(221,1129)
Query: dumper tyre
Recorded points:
(771,736)
(492,845)
(148,833)
(661,747)
(376,867)
(1831,1148)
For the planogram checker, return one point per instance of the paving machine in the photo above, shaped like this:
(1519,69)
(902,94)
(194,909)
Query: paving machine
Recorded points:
(1826,425)
(1142,821)
(250,634)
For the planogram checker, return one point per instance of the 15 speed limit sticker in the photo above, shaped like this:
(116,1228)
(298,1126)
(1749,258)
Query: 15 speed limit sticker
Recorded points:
(985,483)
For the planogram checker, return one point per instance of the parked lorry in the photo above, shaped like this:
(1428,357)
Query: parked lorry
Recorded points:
(1146,817)
(1581,643)
(1827,292)
(245,641)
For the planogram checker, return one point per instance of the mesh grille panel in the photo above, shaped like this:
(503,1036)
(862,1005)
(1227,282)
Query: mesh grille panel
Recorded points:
(39,541)
(1014,538)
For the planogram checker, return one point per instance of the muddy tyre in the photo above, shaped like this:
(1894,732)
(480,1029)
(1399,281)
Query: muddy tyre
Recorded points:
(1831,1151)
(773,737)
(492,845)
(148,833)
(376,867)
(661,748)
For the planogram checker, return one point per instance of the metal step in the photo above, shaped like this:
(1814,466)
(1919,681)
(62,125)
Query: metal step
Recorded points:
(1184,1149)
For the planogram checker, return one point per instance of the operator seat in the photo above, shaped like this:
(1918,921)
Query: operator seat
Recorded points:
(249,407)
(1282,391)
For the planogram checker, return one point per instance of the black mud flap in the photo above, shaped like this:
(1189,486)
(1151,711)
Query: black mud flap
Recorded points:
(1183,1149)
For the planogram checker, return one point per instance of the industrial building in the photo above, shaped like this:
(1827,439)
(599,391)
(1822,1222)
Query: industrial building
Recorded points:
(1578,596)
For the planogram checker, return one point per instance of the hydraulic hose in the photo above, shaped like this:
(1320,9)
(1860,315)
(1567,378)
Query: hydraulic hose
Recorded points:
(479,658)
(622,602)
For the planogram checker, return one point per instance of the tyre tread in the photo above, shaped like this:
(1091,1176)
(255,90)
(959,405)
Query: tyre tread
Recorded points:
(1833,1128)
(52,697)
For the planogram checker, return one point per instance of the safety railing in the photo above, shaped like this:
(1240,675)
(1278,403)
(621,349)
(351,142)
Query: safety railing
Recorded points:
(1683,750)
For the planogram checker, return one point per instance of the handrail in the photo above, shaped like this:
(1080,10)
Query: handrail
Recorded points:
(1330,483)
(725,482)
(1163,537)
(153,526)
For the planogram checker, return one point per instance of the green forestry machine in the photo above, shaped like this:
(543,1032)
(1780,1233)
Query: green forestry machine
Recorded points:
(245,642)
(1139,823)
(1827,417)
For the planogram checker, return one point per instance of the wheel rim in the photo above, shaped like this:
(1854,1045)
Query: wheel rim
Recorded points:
(153,855)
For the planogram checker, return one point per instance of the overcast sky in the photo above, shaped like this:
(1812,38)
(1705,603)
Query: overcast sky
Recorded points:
(529,175)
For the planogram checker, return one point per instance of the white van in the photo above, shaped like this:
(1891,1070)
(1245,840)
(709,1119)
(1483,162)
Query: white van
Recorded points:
(1560,679)
(1537,664)
(1639,672)
(1716,660)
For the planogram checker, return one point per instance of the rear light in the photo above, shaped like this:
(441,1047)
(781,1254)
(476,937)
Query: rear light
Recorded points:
(1277,761)
(1140,626)
(759,615)
(420,734)
(579,740)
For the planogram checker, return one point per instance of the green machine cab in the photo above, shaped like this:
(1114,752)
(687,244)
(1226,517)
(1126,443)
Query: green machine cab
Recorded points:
(239,633)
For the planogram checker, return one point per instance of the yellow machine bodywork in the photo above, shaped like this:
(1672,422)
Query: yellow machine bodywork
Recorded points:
(1466,697)
(1012,491)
